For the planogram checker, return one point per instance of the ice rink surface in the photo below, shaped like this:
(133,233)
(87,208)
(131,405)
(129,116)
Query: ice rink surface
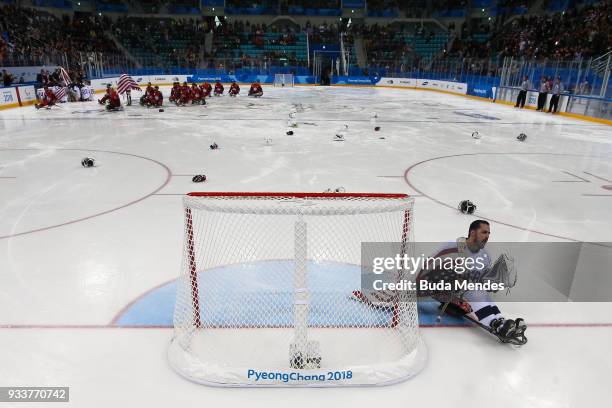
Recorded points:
(78,246)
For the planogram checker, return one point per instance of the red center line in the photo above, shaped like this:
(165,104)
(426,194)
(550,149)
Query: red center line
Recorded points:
(425,326)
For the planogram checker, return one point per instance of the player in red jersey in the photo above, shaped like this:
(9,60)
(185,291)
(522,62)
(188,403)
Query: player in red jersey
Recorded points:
(111,99)
(206,89)
(234,89)
(219,88)
(256,91)
(186,96)
(49,99)
(175,93)
(197,95)
(157,99)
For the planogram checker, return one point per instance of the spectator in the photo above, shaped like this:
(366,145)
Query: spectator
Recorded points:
(7,78)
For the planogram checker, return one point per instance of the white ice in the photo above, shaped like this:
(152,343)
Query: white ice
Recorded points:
(78,245)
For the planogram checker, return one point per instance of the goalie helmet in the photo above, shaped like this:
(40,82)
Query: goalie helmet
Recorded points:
(467,207)
(87,162)
(521,137)
(476,135)
(199,178)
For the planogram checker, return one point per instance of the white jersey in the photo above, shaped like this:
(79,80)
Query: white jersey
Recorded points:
(86,93)
(77,92)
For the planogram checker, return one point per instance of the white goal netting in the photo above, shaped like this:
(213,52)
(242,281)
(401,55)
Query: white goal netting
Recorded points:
(281,80)
(264,297)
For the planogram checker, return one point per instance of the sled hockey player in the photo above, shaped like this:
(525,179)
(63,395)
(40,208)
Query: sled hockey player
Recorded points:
(197,95)
(256,91)
(474,305)
(111,99)
(206,89)
(74,92)
(49,99)
(185,94)
(477,306)
(157,99)
(219,88)
(86,93)
(147,98)
(234,89)
(175,93)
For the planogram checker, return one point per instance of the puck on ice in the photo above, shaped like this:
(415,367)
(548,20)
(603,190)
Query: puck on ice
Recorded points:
(199,178)
(161,110)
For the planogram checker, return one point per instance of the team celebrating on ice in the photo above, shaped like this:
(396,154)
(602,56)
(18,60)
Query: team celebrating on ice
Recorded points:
(180,95)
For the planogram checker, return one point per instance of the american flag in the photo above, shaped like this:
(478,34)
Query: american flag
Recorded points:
(59,92)
(125,83)
(65,77)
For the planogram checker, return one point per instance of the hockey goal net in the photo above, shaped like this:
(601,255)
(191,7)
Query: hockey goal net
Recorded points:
(281,80)
(264,297)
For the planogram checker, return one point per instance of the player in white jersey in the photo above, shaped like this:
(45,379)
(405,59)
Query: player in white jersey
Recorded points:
(458,276)
(86,93)
(475,305)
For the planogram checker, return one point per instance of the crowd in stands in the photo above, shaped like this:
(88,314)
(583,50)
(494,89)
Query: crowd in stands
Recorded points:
(514,5)
(444,7)
(276,43)
(149,6)
(29,36)
(574,34)
(414,8)
(570,35)
(385,43)
(315,4)
(159,42)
